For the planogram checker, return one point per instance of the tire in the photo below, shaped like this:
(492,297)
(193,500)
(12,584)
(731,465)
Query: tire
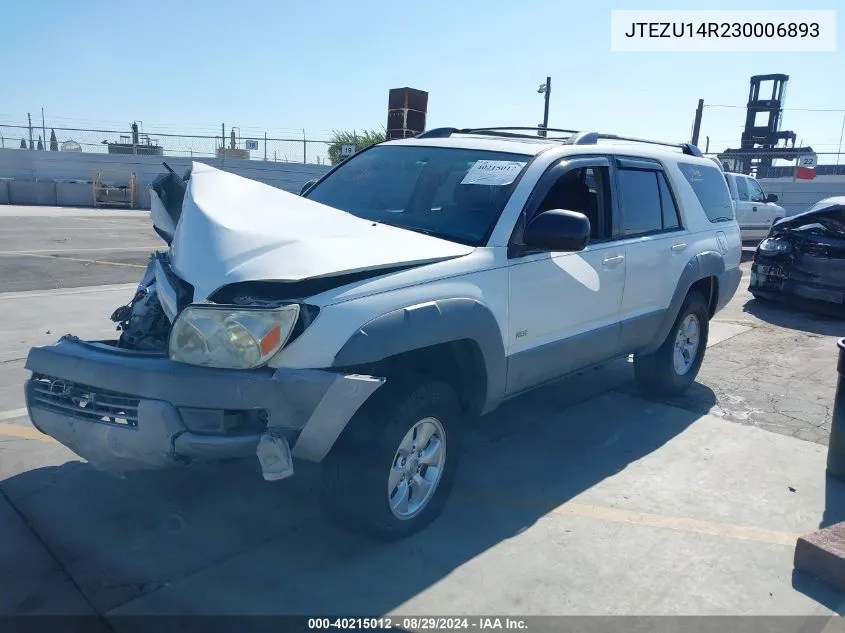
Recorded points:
(356,472)
(657,373)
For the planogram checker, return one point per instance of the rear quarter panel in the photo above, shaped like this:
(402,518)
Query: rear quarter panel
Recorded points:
(704,235)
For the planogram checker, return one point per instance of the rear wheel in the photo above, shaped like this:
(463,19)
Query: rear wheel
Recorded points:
(672,368)
(392,469)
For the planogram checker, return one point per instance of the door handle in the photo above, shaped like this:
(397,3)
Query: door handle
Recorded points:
(612,261)
(678,247)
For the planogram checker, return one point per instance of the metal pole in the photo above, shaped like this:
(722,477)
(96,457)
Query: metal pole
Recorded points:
(223,138)
(841,132)
(546,107)
(43,129)
(304,147)
(265,147)
(707,146)
(29,118)
(696,126)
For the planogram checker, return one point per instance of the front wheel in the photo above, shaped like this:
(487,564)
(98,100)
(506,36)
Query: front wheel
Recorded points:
(392,469)
(672,368)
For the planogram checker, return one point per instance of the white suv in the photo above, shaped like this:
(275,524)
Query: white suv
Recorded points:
(418,284)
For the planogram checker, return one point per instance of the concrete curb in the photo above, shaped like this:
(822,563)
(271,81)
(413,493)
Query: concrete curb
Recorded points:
(822,554)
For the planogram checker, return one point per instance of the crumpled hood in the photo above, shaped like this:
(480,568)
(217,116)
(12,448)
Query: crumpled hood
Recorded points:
(830,213)
(234,229)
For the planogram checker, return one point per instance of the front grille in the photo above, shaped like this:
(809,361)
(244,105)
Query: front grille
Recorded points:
(84,402)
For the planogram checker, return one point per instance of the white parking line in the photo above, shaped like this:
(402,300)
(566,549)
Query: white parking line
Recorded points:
(58,257)
(14,413)
(110,249)
(26,294)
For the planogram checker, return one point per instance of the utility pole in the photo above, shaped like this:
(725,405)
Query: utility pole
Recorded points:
(546,91)
(304,147)
(43,129)
(265,147)
(29,118)
(696,126)
(223,139)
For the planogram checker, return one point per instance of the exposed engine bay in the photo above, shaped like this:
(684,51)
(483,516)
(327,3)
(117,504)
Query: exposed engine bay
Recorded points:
(804,257)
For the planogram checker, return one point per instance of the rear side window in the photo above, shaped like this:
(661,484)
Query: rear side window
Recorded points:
(741,188)
(667,204)
(710,188)
(640,198)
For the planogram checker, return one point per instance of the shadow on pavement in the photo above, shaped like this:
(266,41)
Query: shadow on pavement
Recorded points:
(816,590)
(786,315)
(220,540)
(834,502)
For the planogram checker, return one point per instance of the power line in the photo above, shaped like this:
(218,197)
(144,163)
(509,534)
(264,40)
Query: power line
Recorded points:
(720,105)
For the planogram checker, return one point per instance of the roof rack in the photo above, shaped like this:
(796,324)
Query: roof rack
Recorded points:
(575,137)
(592,138)
(509,132)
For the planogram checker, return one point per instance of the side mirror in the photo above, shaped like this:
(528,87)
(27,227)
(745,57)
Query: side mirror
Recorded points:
(307,186)
(771,198)
(558,230)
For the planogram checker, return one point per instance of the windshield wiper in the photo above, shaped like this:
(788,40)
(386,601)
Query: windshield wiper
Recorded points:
(417,229)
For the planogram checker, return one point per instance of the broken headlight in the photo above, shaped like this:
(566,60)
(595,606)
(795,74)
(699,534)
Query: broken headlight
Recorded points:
(774,245)
(230,338)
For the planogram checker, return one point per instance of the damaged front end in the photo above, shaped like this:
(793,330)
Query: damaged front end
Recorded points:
(187,378)
(803,258)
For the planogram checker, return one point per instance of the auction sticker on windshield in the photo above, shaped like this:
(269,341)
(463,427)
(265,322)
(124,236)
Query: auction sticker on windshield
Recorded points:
(492,172)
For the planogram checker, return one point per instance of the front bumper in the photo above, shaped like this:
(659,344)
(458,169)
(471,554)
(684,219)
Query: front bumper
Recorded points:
(123,410)
(773,280)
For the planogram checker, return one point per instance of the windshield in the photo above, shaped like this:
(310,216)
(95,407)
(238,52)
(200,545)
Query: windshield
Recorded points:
(454,194)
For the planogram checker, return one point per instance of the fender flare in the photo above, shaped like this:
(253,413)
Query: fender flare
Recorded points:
(427,324)
(705,264)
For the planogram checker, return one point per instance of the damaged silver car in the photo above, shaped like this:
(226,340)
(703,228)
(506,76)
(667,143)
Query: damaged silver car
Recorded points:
(803,258)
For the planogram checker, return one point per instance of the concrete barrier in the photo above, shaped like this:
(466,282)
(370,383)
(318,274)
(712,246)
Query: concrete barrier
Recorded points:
(42,193)
(74,194)
(75,167)
(800,195)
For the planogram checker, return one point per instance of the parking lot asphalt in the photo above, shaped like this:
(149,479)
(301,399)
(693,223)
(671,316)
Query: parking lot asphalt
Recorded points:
(57,248)
(582,498)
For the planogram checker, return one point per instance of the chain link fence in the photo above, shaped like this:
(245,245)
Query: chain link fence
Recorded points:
(786,163)
(111,141)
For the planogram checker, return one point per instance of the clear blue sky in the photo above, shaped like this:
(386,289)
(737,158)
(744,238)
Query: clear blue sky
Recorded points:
(280,65)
